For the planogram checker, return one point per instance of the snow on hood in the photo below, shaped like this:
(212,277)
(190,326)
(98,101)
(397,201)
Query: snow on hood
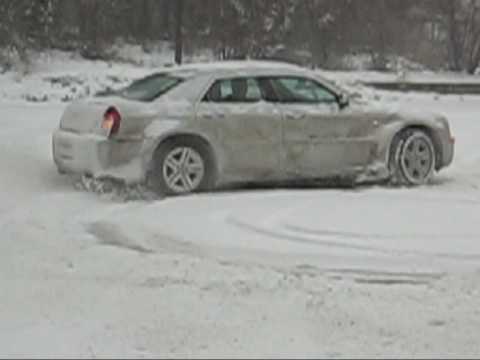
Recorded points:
(392,108)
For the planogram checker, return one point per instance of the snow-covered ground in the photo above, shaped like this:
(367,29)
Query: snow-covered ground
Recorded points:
(267,273)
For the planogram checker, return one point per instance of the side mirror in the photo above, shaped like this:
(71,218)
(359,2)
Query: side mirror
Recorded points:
(343,101)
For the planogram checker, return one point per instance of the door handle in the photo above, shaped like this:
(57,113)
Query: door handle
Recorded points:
(206,116)
(298,116)
(213,116)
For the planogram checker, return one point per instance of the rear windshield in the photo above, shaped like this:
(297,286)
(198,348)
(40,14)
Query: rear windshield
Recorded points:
(150,87)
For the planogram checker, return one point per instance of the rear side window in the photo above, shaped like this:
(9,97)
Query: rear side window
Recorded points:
(150,87)
(234,90)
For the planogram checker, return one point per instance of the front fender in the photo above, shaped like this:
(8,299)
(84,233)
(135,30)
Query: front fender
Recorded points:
(438,130)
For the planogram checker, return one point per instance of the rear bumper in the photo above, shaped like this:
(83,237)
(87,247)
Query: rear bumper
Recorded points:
(97,156)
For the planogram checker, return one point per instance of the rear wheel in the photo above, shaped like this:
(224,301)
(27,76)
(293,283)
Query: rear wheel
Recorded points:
(412,158)
(181,167)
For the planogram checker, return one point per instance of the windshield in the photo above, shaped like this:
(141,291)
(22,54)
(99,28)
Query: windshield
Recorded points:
(150,87)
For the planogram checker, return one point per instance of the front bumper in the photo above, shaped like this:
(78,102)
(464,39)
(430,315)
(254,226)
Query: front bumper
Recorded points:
(97,156)
(448,149)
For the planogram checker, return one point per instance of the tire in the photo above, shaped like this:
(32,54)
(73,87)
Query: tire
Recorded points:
(412,158)
(180,167)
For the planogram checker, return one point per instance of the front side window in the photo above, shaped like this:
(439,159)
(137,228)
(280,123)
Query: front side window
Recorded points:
(302,90)
(150,87)
(234,91)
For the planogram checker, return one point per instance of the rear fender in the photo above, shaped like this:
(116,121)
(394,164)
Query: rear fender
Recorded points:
(159,131)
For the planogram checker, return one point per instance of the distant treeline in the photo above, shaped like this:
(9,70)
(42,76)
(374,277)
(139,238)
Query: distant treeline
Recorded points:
(436,33)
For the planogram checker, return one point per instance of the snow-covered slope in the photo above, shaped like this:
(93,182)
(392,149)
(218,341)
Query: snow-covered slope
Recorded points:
(57,76)
(259,273)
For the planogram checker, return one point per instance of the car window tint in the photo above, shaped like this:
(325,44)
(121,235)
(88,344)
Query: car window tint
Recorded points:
(302,90)
(268,91)
(150,87)
(234,90)
(322,94)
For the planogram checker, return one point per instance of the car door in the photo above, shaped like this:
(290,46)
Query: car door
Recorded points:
(320,138)
(246,127)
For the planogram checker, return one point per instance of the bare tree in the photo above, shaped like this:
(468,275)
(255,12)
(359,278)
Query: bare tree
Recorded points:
(315,32)
(462,20)
(179,6)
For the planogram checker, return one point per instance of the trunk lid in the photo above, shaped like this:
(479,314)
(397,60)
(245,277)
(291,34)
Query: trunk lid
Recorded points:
(86,116)
(82,117)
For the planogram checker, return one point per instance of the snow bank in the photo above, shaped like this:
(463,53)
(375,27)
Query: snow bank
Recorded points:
(61,77)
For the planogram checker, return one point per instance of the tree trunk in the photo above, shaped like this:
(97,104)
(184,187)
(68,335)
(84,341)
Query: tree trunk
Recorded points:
(474,59)
(453,38)
(166,19)
(178,31)
(146,27)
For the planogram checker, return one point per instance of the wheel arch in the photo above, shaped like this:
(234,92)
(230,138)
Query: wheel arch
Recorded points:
(189,137)
(429,131)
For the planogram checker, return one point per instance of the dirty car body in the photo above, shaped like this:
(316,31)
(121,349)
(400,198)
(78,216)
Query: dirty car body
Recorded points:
(259,121)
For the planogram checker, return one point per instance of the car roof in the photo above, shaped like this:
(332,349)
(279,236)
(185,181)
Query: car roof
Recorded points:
(232,68)
(242,68)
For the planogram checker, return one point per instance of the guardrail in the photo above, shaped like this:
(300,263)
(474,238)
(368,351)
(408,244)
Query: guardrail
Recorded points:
(435,87)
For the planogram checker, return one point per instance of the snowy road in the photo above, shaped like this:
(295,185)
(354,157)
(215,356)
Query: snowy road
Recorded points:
(266,273)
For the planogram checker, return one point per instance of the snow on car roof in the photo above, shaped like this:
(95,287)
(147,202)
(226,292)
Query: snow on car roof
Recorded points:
(235,64)
(246,68)
(249,66)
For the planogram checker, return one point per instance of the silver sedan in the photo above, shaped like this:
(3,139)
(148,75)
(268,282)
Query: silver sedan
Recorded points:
(196,127)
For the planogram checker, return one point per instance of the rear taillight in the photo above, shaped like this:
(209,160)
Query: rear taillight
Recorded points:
(111,121)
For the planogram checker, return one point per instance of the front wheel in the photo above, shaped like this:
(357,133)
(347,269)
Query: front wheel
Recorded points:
(412,158)
(181,167)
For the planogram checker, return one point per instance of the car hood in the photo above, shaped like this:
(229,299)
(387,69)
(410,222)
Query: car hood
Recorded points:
(394,111)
